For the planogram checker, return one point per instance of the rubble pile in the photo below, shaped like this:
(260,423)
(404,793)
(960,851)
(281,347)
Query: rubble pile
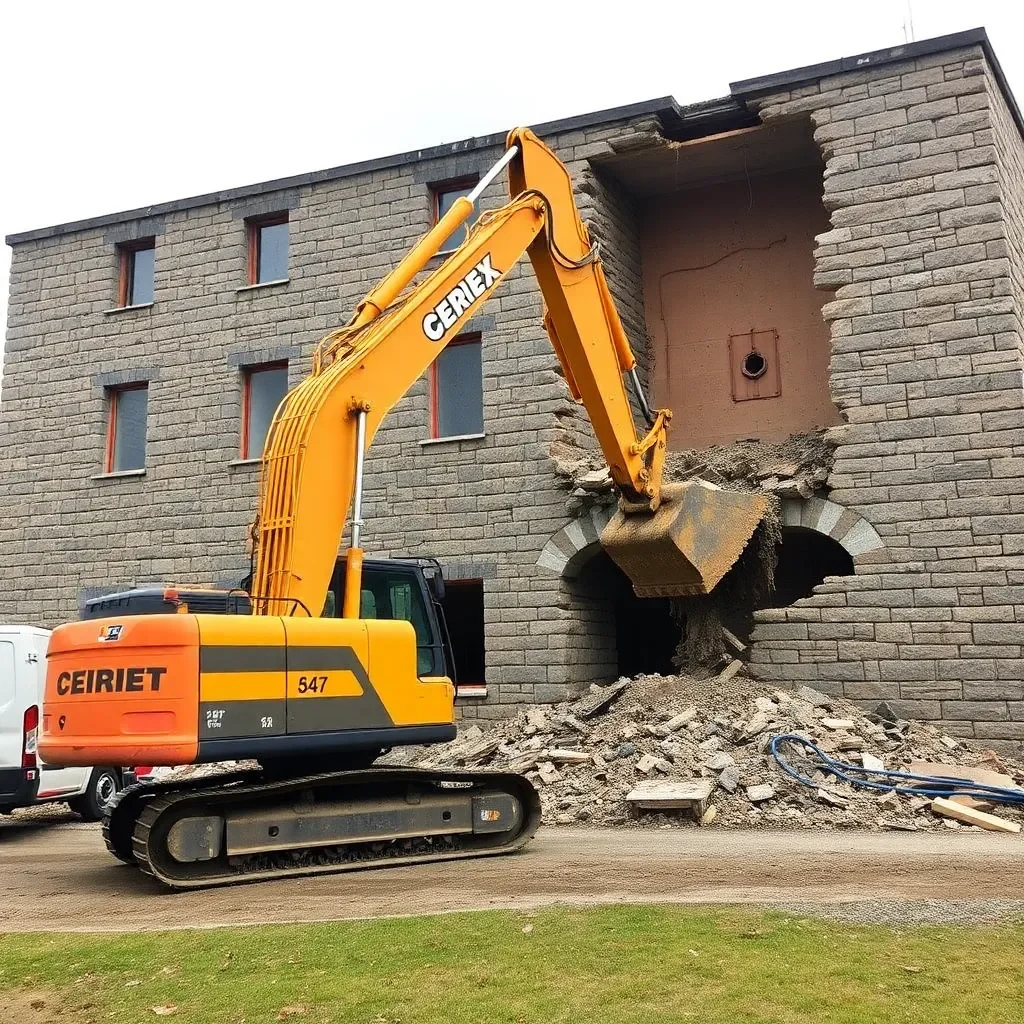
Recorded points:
(586,756)
(794,468)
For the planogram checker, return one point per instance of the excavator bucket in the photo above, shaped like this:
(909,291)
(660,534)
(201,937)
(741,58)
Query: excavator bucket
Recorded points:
(689,543)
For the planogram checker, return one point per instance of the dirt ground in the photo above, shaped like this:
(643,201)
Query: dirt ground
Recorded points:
(56,875)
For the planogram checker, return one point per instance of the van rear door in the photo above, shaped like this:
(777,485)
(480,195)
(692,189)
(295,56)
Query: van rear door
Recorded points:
(12,715)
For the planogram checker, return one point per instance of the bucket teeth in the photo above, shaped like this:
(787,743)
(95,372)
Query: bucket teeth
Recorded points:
(689,543)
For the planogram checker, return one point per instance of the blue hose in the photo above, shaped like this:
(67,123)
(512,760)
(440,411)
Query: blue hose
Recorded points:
(929,786)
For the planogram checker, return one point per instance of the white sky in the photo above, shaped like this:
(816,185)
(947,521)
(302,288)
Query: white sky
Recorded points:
(110,105)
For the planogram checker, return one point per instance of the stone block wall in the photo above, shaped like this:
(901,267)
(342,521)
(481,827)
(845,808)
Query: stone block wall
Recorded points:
(922,181)
(485,507)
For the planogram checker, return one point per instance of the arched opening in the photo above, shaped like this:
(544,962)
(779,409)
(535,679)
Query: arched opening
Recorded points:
(638,633)
(806,557)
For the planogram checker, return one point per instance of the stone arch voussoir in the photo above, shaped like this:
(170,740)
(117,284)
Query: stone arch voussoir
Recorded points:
(570,548)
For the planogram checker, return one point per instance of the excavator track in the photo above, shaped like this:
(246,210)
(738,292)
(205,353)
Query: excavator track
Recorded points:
(232,829)
(124,809)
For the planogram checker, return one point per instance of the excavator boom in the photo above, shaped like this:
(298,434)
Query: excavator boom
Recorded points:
(669,540)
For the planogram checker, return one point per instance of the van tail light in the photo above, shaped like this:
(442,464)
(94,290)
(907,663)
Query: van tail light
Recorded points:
(31,737)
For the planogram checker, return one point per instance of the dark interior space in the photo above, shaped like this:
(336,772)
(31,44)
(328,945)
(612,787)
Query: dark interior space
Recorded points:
(806,557)
(464,613)
(645,633)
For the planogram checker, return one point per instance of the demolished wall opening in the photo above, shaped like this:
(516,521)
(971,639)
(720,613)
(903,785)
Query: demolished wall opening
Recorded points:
(805,558)
(640,631)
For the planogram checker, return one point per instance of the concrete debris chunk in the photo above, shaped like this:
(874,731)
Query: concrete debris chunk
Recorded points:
(646,763)
(729,780)
(548,773)
(948,742)
(669,793)
(757,725)
(599,700)
(729,671)
(832,799)
(719,761)
(560,756)
(813,697)
(709,815)
(872,763)
(596,480)
(758,794)
(835,724)
(676,722)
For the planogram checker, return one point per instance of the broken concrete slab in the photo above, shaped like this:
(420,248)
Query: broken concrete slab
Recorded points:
(836,724)
(758,794)
(663,794)
(813,697)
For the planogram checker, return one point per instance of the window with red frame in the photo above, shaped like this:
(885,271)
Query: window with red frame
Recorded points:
(268,248)
(444,196)
(136,270)
(457,389)
(263,387)
(127,409)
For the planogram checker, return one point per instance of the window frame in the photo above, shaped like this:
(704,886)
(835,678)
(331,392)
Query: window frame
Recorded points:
(466,338)
(463,184)
(126,270)
(113,397)
(253,226)
(247,372)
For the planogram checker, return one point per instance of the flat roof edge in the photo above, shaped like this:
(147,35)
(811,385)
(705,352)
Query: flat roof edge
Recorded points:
(750,87)
(661,105)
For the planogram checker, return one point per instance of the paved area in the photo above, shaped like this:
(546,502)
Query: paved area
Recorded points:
(56,874)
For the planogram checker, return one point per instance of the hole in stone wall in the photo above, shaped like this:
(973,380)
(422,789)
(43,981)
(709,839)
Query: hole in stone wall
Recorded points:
(645,635)
(806,557)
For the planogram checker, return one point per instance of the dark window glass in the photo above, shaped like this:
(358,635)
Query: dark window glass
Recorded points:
(128,427)
(264,390)
(445,199)
(141,285)
(273,252)
(459,398)
(396,595)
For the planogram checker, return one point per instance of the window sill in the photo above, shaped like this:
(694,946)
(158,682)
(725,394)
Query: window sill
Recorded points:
(234,463)
(447,440)
(118,474)
(127,309)
(263,284)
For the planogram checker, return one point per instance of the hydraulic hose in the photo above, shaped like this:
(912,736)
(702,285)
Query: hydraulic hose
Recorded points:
(904,783)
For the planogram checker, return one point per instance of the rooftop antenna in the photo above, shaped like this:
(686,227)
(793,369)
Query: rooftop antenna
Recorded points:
(908,24)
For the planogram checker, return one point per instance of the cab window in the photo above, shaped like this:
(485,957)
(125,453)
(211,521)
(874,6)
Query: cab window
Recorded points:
(395,595)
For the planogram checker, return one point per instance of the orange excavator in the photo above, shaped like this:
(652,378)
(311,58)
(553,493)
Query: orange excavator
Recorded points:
(184,677)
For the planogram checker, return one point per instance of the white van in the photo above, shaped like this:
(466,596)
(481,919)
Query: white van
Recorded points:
(24,780)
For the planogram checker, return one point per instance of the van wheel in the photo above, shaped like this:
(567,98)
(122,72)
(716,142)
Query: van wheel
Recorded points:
(103,785)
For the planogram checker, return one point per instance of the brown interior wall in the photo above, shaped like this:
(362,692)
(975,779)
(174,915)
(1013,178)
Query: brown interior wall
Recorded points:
(723,260)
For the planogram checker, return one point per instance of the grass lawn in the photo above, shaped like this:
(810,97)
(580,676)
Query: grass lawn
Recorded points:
(620,964)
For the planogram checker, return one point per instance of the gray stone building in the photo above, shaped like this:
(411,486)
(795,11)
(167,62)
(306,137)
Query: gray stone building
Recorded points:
(834,253)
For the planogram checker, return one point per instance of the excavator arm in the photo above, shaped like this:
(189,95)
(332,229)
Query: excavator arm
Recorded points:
(313,462)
